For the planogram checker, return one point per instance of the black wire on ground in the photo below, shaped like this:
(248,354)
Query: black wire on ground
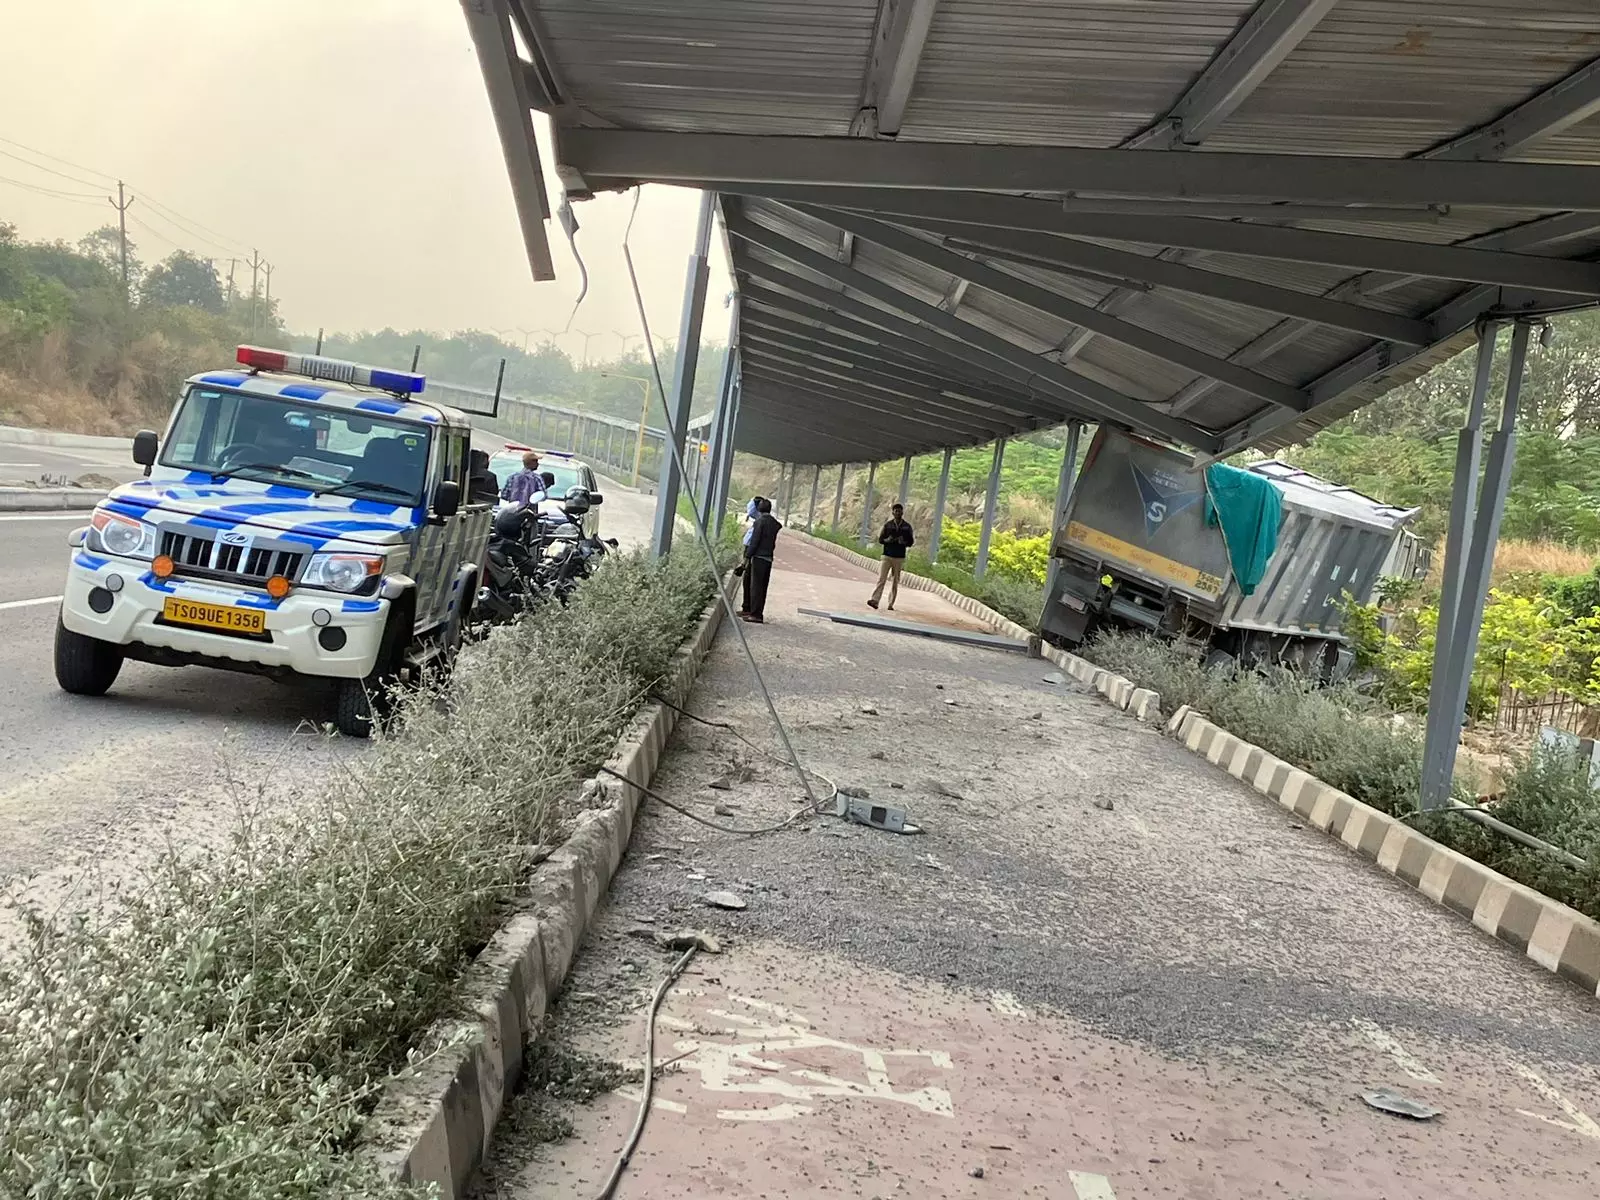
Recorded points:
(807,811)
(833,788)
(632,1143)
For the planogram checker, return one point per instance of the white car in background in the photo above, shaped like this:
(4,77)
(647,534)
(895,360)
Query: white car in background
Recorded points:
(569,471)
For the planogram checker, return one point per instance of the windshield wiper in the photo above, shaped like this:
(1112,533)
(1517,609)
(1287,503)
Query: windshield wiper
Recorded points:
(291,472)
(369,485)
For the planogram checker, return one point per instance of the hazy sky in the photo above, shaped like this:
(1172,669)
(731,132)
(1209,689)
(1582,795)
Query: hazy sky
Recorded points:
(350,140)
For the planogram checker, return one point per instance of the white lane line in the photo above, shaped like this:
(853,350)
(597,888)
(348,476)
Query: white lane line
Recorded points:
(1581,1122)
(37,600)
(51,516)
(1090,1186)
(1403,1058)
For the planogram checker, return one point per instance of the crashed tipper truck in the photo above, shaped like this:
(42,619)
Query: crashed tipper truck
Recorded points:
(1146,545)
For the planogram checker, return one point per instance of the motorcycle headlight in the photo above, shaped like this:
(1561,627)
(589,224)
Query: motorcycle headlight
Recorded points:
(559,550)
(126,537)
(342,572)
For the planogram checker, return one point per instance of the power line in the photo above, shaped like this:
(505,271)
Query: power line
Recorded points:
(164,211)
(84,197)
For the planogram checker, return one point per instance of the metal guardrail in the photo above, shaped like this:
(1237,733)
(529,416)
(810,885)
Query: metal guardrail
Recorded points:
(601,440)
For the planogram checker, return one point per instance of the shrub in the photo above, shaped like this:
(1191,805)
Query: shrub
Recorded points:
(224,1030)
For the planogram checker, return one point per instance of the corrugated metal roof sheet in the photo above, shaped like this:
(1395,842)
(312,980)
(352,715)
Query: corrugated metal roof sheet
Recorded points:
(1377,78)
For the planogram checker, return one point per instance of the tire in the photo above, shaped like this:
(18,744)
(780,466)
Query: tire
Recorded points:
(352,706)
(85,666)
(1220,660)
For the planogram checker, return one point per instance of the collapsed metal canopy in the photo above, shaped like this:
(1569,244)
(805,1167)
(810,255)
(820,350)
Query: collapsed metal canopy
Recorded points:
(1212,222)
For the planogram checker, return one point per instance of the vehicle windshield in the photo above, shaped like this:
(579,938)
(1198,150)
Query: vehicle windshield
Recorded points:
(238,435)
(508,462)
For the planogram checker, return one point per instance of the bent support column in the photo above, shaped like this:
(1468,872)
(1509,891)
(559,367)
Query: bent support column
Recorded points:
(724,464)
(694,307)
(816,481)
(990,500)
(866,505)
(1456,643)
(938,507)
(838,496)
(905,480)
(1069,459)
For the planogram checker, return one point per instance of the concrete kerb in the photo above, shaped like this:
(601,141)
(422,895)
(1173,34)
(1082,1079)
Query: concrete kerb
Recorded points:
(1557,937)
(435,1122)
(48,499)
(17,436)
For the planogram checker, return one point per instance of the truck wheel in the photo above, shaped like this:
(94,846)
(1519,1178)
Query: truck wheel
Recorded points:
(85,666)
(1220,660)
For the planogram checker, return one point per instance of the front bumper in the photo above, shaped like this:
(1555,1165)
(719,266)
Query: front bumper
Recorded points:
(291,645)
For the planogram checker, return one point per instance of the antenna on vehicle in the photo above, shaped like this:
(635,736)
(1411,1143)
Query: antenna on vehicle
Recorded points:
(416,356)
(498,381)
(319,342)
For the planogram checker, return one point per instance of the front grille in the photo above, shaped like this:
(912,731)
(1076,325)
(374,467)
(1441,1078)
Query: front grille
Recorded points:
(214,554)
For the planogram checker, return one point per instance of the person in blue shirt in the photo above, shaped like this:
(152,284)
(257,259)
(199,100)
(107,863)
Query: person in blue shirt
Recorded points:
(527,484)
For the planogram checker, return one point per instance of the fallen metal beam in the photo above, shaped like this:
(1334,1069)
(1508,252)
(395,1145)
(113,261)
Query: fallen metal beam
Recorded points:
(939,633)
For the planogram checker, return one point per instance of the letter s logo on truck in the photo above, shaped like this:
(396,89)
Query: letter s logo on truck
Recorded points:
(1159,502)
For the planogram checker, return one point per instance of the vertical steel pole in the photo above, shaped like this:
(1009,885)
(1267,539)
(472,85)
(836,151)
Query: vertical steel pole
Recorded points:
(694,307)
(1069,459)
(940,497)
(811,514)
(990,502)
(1450,692)
(838,496)
(725,461)
(721,431)
(866,505)
(1463,506)
(905,480)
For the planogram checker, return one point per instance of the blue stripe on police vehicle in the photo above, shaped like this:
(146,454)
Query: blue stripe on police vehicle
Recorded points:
(301,516)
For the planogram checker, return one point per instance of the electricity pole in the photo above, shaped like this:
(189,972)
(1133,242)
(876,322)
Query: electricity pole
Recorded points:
(232,262)
(255,287)
(267,269)
(122,204)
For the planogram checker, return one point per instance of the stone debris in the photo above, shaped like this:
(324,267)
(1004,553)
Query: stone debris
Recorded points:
(1055,677)
(855,793)
(723,810)
(1390,1101)
(729,900)
(934,788)
(1105,802)
(869,710)
(879,755)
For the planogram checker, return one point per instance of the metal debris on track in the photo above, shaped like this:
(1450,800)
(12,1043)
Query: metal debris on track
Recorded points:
(1390,1101)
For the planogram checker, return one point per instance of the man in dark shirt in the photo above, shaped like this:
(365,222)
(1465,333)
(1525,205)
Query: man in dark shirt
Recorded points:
(758,562)
(894,539)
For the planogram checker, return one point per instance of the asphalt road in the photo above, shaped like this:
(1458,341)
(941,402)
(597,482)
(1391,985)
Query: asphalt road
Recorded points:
(92,789)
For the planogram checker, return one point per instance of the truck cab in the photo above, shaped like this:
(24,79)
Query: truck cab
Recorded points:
(301,517)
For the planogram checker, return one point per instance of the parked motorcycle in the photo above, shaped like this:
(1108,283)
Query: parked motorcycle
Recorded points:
(537,553)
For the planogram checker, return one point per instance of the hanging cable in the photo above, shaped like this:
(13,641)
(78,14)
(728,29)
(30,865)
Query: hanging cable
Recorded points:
(569,223)
(674,448)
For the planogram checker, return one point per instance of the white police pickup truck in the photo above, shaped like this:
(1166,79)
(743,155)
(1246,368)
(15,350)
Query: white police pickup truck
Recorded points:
(302,517)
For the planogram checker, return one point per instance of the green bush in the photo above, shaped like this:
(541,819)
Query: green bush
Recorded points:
(223,1030)
(1352,743)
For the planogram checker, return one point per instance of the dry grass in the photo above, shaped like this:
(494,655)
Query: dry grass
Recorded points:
(1513,557)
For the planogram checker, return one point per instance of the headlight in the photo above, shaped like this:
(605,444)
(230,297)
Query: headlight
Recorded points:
(558,550)
(126,537)
(342,572)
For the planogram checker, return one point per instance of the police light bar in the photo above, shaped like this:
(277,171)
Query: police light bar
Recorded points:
(315,367)
(517,446)
(558,454)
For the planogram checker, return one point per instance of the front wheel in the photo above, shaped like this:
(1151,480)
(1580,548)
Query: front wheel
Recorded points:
(357,704)
(85,666)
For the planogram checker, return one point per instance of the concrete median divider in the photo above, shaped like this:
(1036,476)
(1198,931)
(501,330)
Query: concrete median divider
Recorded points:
(1558,938)
(48,499)
(434,1122)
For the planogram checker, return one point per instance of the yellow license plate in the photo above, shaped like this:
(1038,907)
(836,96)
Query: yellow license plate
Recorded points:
(215,616)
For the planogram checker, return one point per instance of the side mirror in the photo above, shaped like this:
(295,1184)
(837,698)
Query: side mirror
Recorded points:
(446,499)
(145,445)
(596,499)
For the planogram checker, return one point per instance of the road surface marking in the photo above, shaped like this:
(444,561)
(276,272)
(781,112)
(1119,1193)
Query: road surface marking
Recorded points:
(37,600)
(1403,1058)
(1581,1123)
(1006,1003)
(50,516)
(1090,1186)
(756,1064)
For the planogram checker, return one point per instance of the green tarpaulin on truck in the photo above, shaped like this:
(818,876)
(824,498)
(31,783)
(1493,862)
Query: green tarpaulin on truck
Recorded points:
(1249,508)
